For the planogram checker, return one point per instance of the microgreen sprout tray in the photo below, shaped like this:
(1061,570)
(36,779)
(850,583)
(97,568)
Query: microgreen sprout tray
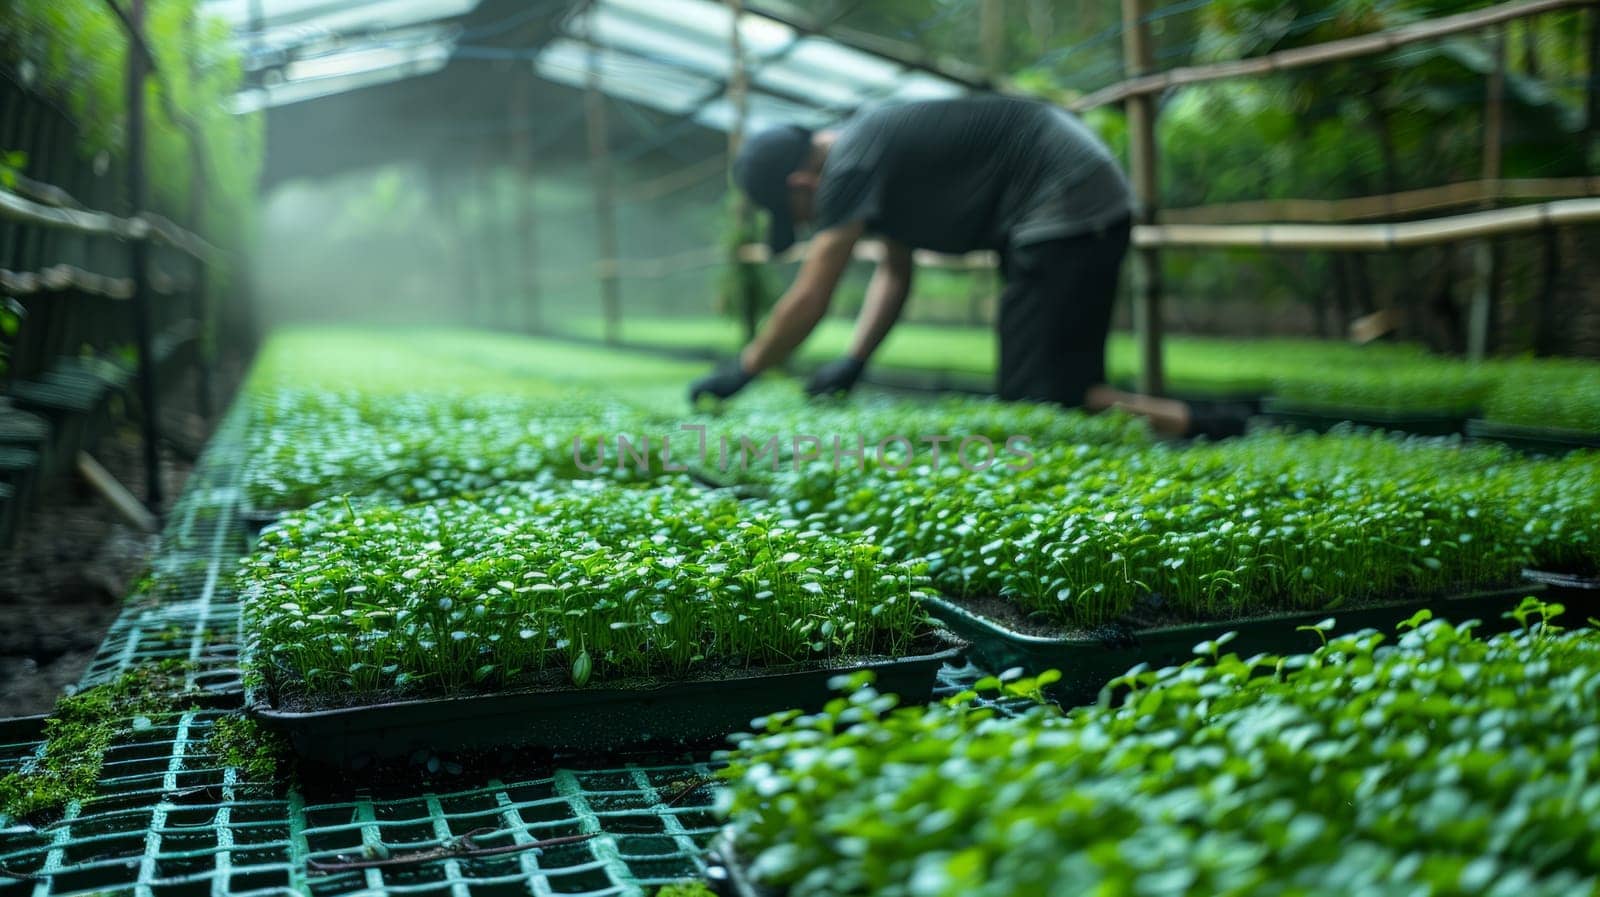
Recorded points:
(605,719)
(1088,660)
(565,617)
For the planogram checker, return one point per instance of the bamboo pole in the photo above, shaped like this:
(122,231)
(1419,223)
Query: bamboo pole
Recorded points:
(1591,122)
(527,218)
(140,227)
(1333,237)
(481,249)
(206,338)
(18,208)
(527,200)
(594,106)
(45,194)
(738,93)
(992,37)
(1319,54)
(449,192)
(497,242)
(1406,202)
(1486,254)
(139,255)
(1141,112)
(1374,237)
(63,279)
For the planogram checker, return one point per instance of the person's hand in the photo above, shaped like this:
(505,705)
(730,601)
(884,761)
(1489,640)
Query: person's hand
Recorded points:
(727,379)
(835,377)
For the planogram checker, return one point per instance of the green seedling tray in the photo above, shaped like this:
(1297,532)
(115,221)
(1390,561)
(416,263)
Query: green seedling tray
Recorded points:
(583,720)
(1321,420)
(1088,661)
(1540,440)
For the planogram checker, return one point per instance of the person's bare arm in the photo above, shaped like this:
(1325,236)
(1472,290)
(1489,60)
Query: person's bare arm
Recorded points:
(886,297)
(805,302)
(1168,417)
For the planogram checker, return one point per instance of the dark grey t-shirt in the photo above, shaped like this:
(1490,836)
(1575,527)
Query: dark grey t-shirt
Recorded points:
(980,172)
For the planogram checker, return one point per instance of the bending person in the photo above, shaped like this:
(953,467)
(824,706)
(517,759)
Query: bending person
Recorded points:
(1016,176)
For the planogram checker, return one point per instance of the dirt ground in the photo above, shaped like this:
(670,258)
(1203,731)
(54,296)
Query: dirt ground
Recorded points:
(63,581)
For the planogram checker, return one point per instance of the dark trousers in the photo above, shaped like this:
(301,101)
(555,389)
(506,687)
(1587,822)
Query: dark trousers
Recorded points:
(1055,314)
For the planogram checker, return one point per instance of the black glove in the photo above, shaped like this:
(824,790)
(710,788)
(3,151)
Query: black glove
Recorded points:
(727,379)
(835,377)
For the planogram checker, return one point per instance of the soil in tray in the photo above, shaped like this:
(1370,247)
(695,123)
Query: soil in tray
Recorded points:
(1004,636)
(1582,584)
(550,682)
(477,730)
(1151,616)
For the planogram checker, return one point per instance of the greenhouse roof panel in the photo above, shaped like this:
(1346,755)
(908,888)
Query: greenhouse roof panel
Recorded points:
(920,86)
(807,79)
(333,16)
(763,112)
(625,77)
(708,20)
(673,46)
(839,63)
(342,73)
(669,55)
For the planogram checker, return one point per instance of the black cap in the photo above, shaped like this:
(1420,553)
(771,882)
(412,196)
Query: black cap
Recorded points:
(762,171)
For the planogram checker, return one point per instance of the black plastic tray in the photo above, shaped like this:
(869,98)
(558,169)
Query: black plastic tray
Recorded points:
(254,520)
(726,872)
(1237,396)
(1320,420)
(1542,440)
(1088,662)
(582,720)
(1566,586)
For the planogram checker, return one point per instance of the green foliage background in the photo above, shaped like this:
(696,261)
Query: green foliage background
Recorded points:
(76,54)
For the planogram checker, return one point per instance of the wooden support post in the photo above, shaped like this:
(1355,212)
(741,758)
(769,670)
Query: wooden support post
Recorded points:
(205,320)
(122,501)
(484,244)
(1591,126)
(502,247)
(1141,112)
(738,93)
(258,30)
(448,192)
(527,258)
(1486,254)
(475,214)
(605,213)
(992,37)
(139,258)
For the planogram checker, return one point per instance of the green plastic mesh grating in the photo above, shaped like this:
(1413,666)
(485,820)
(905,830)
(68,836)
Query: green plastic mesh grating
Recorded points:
(168,818)
(186,608)
(19,738)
